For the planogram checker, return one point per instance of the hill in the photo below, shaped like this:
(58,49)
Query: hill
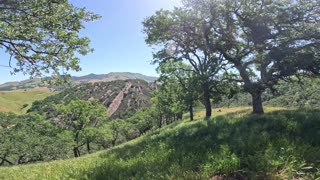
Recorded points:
(121,97)
(20,101)
(235,145)
(90,78)
(21,85)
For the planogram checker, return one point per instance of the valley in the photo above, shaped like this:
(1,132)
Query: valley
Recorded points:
(228,90)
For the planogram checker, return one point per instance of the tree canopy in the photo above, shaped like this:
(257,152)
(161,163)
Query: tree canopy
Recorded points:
(179,36)
(42,37)
(79,116)
(260,41)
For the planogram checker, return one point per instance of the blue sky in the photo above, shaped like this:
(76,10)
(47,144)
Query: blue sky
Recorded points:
(117,38)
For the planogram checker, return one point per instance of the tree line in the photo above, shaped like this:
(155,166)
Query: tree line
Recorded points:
(78,127)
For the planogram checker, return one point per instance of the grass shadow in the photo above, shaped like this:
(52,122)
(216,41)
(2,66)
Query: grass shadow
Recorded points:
(274,145)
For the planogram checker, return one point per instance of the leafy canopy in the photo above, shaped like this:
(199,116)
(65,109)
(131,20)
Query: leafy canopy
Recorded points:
(42,37)
(262,41)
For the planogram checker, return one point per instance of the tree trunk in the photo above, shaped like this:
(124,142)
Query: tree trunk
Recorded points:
(88,146)
(191,112)
(206,98)
(179,116)
(19,161)
(113,142)
(160,121)
(75,152)
(257,107)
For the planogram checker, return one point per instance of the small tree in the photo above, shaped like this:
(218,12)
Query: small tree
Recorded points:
(182,82)
(180,35)
(116,128)
(142,120)
(78,115)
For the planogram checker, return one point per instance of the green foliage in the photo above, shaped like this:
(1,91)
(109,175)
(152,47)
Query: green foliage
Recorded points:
(43,36)
(143,120)
(181,36)
(79,116)
(303,94)
(181,86)
(255,43)
(297,94)
(30,138)
(277,145)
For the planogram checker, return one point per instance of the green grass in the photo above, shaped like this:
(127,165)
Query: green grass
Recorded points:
(281,144)
(13,101)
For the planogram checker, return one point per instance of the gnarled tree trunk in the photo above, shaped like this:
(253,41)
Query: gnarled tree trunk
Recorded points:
(257,107)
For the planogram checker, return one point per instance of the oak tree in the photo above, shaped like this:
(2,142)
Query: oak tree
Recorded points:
(264,40)
(180,35)
(79,116)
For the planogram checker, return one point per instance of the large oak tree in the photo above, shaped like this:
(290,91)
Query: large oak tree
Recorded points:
(42,36)
(263,40)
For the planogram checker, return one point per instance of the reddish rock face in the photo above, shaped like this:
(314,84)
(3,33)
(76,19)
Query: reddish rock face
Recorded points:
(117,101)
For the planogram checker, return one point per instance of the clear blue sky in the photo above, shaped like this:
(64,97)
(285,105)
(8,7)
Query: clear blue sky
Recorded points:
(117,38)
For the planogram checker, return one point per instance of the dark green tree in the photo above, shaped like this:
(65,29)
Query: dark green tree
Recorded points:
(181,81)
(31,138)
(142,120)
(42,37)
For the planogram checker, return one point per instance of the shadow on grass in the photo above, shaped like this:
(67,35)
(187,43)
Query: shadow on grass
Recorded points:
(282,144)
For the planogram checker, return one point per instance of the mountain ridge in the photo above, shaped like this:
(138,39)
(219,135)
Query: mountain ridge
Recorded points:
(89,78)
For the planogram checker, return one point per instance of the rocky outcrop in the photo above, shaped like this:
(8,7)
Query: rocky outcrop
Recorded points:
(118,99)
(122,98)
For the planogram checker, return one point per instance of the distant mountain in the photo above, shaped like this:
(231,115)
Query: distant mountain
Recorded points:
(111,77)
(90,78)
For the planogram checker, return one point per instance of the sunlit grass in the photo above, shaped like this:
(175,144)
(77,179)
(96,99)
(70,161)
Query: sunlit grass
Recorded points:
(233,110)
(14,101)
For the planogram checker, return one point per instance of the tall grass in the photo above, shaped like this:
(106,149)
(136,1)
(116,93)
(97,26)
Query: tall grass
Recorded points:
(277,145)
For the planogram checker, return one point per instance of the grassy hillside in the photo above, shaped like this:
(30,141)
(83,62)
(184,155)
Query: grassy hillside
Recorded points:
(281,144)
(19,101)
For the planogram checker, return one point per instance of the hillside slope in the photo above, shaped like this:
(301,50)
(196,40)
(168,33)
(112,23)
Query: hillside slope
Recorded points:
(236,145)
(121,97)
(20,101)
